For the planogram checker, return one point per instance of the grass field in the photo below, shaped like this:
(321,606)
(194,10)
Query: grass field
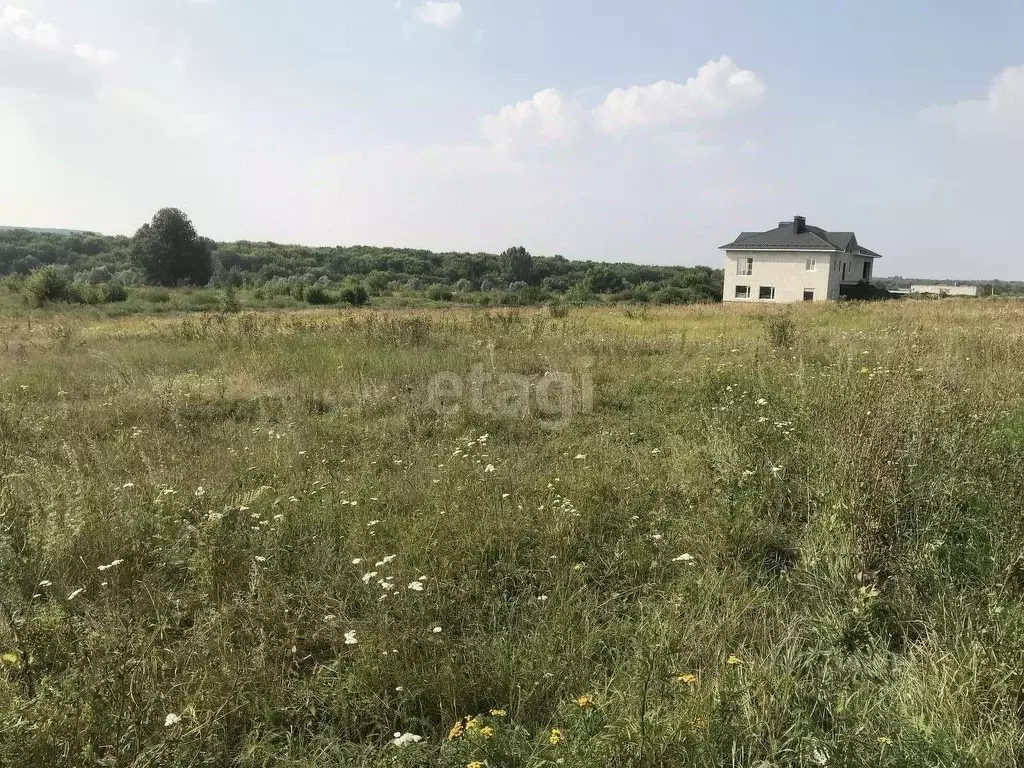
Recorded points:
(710,536)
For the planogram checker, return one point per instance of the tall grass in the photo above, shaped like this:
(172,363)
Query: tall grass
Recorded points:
(250,540)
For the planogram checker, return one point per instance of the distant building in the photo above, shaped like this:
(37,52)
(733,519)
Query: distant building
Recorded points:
(945,289)
(794,262)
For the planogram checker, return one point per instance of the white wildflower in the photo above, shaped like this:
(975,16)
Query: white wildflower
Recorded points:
(416,586)
(437,630)
(172,719)
(114,564)
(489,468)
(76,593)
(404,739)
(350,637)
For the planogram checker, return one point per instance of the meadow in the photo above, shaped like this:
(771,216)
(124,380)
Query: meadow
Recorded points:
(698,536)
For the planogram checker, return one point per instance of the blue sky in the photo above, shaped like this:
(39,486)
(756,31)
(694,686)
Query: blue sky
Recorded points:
(643,131)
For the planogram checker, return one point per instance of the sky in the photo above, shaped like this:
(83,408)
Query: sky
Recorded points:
(645,131)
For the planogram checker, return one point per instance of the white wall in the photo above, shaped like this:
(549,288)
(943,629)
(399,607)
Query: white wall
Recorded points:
(949,290)
(786,271)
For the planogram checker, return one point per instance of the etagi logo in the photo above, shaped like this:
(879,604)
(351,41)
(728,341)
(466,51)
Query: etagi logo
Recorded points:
(553,397)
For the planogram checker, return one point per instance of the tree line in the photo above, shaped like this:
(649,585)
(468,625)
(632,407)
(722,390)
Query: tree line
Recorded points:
(167,251)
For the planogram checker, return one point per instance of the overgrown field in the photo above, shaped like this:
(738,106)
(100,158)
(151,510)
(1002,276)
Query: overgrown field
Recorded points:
(722,537)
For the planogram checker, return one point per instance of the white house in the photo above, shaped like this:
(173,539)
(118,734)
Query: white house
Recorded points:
(794,262)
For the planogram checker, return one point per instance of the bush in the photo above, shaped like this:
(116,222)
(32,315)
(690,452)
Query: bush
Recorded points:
(317,295)
(47,284)
(157,296)
(558,310)
(115,293)
(13,283)
(464,286)
(780,330)
(229,303)
(355,295)
(670,295)
(439,293)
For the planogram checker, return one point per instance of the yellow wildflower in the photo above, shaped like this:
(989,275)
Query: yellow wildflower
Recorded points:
(689,679)
(734,660)
(487,731)
(472,724)
(457,730)
(884,740)
(584,702)
(498,713)
(475,764)
(555,737)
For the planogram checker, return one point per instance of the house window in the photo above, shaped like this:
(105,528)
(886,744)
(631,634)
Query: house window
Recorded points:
(766,292)
(844,270)
(867,269)
(811,263)
(745,267)
(808,294)
(742,291)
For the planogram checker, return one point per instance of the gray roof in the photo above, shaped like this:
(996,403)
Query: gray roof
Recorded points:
(801,237)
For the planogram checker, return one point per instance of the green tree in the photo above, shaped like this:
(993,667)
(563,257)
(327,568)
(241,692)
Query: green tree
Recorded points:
(603,280)
(169,252)
(517,264)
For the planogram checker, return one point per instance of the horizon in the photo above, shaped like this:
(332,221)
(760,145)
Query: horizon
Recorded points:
(645,134)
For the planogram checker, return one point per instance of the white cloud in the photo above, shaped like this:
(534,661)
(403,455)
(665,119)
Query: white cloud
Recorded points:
(89,53)
(1000,113)
(548,118)
(443,15)
(719,88)
(16,15)
(23,26)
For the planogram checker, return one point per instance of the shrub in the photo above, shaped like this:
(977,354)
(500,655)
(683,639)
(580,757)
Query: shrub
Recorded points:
(47,284)
(157,296)
(115,292)
(464,286)
(439,293)
(317,295)
(13,283)
(557,309)
(355,295)
(229,303)
(780,330)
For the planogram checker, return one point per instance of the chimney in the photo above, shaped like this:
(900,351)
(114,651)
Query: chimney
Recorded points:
(799,225)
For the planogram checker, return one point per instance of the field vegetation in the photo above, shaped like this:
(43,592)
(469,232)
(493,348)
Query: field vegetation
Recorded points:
(739,537)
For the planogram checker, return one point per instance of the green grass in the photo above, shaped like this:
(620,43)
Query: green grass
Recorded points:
(850,505)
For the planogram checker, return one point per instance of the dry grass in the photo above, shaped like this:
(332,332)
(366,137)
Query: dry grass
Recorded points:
(849,507)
